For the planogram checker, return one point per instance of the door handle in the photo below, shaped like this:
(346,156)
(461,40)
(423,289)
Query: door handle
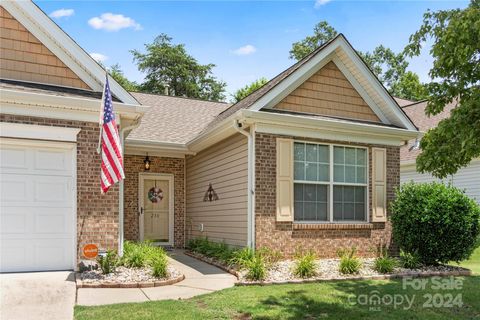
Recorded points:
(141,210)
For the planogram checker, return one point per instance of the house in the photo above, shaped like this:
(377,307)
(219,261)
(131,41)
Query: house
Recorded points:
(467,178)
(310,160)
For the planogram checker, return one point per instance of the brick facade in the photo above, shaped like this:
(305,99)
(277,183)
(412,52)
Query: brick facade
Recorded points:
(325,240)
(133,166)
(97,214)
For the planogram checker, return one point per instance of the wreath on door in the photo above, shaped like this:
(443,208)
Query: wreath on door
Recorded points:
(155,195)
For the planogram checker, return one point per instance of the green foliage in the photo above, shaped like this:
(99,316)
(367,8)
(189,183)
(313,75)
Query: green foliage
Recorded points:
(256,268)
(169,64)
(108,262)
(455,35)
(159,265)
(144,254)
(388,66)
(384,263)
(305,266)
(220,251)
(349,263)
(438,222)
(242,257)
(248,89)
(322,32)
(409,260)
(116,73)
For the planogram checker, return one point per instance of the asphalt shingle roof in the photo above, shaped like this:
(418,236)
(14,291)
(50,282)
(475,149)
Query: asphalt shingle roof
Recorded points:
(174,119)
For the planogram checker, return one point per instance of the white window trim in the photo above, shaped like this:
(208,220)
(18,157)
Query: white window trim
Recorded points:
(331,184)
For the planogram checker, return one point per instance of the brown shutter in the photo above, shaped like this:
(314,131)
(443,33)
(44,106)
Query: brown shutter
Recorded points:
(284,179)
(379,184)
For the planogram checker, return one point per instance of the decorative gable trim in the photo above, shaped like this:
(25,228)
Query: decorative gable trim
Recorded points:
(64,47)
(388,111)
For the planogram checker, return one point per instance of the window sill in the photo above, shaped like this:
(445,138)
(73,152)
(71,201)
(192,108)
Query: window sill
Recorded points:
(332,226)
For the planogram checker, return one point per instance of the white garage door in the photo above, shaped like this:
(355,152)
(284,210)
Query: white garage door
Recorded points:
(37,194)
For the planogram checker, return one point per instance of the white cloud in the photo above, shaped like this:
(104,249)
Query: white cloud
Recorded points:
(113,22)
(98,57)
(245,50)
(60,13)
(319,3)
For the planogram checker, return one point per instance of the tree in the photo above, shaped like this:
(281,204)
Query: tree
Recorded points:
(388,66)
(169,64)
(456,72)
(249,88)
(116,73)
(322,32)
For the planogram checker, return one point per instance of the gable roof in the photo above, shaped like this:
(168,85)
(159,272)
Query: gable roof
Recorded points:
(186,118)
(416,112)
(349,62)
(64,47)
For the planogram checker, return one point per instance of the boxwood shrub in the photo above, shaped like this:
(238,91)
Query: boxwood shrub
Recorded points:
(437,221)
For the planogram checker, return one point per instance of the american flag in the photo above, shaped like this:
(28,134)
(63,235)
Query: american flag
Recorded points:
(111,148)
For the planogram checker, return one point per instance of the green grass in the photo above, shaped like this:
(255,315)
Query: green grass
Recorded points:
(473,263)
(295,301)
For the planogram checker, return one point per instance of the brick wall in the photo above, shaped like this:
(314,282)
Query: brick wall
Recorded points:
(133,166)
(97,214)
(327,240)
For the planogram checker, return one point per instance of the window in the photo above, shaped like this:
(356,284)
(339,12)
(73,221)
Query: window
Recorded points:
(330,183)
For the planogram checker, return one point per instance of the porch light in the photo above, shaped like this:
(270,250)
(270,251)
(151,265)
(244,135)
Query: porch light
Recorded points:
(146,163)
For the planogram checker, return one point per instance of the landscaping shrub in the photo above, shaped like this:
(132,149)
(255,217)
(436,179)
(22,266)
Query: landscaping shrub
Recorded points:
(256,268)
(242,257)
(305,265)
(349,263)
(385,264)
(108,262)
(220,251)
(159,266)
(438,222)
(270,256)
(143,254)
(409,260)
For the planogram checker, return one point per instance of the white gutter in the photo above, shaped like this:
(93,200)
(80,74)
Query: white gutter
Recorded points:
(250,184)
(121,185)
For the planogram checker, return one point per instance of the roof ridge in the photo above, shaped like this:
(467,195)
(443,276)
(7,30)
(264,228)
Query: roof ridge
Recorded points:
(177,97)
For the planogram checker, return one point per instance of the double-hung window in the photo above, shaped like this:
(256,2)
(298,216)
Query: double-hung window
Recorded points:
(330,183)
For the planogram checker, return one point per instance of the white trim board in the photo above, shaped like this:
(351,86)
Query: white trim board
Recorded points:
(37,132)
(389,112)
(64,47)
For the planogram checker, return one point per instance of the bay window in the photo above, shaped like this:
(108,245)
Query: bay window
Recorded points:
(330,183)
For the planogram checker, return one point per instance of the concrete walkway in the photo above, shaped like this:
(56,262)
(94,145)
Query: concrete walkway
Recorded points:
(200,278)
(37,295)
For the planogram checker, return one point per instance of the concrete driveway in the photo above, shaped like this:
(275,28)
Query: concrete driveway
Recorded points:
(37,295)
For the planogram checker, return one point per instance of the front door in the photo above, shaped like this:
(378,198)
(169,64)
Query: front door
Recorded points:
(156,208)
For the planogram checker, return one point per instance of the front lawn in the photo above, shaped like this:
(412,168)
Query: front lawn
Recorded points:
(302,301)
(473,263)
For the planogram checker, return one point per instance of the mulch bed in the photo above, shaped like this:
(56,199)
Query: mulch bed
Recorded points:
(126,278)
(281,272)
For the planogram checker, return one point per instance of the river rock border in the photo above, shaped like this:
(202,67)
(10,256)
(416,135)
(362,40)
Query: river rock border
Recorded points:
(146,284)
(414,274)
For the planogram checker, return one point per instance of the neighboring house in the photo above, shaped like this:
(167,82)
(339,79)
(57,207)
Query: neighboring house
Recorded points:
(467,178)
(310,160)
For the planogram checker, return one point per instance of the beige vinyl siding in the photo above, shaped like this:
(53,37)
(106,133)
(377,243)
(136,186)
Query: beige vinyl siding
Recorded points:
(23,57)
(328,92)
(467,178)
(225,166)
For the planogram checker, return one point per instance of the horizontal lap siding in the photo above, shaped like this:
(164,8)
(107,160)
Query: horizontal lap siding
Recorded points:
(329,93)
(225,166)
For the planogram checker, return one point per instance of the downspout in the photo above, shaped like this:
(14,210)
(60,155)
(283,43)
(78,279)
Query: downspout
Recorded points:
(135,124)
(250,189)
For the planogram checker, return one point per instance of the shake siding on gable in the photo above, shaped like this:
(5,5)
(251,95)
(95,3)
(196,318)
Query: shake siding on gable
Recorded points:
(23,57)
(328,93)
(223,165)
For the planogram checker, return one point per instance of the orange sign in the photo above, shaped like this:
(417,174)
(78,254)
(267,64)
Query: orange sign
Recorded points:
(90,251)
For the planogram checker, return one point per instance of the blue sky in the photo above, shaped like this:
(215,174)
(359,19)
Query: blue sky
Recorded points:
(246,40)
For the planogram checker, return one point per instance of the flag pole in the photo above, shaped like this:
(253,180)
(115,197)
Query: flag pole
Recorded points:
(100,120)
